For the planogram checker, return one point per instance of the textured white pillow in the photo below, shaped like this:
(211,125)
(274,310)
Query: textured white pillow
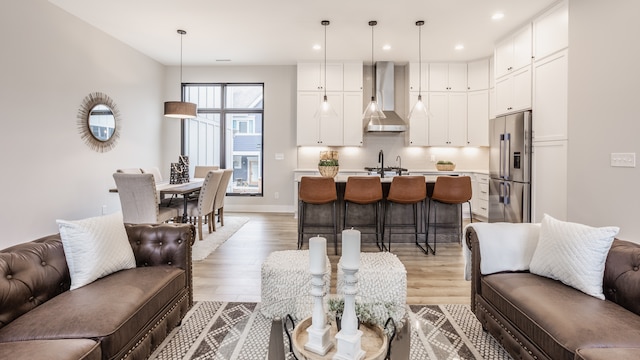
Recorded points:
(95,247)
(573,253)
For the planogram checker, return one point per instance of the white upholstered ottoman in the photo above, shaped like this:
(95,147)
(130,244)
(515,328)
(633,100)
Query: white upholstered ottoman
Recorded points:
(286,282)
(382,277)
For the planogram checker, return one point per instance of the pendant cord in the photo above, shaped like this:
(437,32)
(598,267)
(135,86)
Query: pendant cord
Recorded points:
(373,83)
(420,60)
(325,62)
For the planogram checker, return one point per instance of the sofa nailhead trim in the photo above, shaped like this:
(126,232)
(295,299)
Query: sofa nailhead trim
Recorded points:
(524,347)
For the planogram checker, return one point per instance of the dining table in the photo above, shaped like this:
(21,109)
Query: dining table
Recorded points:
(184,190)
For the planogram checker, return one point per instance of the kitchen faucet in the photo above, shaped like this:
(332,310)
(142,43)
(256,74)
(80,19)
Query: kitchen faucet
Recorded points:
(399,160)
(381,161)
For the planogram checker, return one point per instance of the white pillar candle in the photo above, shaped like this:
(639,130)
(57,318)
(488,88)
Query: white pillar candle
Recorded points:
(351,249)
(317,254)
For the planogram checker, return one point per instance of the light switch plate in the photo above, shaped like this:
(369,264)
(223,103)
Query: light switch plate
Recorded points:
(279,156)
(623,159)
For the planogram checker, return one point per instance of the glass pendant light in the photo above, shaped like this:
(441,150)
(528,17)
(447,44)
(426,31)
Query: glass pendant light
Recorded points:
(326,111)
(419,110)
(373,113)
(180,109)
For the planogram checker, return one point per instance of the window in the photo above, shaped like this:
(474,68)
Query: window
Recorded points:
(227,132)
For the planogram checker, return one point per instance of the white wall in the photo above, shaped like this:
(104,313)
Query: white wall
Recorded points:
(603,113)
(279,128)
(50,62)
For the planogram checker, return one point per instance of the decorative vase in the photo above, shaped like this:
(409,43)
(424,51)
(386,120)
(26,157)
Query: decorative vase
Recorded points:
(328,171)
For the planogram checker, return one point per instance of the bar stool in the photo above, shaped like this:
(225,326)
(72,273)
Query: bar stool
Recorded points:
(317,191)
(364,190)
(408,190)
(448,190)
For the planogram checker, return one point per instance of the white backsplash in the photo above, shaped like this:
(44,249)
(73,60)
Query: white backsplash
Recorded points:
(394,144)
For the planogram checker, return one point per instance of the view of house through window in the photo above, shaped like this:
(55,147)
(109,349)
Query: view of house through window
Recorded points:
(227,132)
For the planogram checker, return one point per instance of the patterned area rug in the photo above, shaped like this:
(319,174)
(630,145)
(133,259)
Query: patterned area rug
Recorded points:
(202,248)
(221,330)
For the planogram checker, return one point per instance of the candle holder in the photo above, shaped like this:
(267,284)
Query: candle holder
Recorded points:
(348,339)
(319,341)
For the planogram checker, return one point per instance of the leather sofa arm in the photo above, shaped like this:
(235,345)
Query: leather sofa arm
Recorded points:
(472,243)
(164,244)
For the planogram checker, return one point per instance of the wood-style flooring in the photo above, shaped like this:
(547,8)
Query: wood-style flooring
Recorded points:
(232,272)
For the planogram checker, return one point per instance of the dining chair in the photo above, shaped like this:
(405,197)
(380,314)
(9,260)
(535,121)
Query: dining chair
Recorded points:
(139,200)
(203,206)
(130,171)
(157,176)
(201,171)
(448,190)
(218,203)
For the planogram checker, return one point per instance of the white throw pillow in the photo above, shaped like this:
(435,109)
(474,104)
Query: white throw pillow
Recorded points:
(95,247)
(573,253)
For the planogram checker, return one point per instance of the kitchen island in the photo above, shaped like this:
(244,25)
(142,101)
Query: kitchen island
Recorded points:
(448,215)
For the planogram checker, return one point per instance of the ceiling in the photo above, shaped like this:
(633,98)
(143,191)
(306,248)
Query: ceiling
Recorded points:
(282,32)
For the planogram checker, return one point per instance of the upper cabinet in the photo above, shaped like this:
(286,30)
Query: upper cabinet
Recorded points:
(418,76)
(478,75)
(513,53)
(448,77)
(344,94)
(551,31)
(311,76)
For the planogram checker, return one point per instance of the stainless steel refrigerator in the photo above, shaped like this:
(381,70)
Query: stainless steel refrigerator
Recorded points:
(510,168)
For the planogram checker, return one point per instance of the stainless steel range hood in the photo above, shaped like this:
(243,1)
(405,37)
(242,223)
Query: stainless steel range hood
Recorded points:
(385,92)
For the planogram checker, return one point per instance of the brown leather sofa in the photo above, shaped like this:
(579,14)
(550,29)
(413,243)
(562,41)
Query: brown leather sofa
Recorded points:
(534,317)
(124,315)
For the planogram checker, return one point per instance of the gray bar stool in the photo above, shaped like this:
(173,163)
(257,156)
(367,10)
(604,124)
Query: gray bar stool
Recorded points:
(364,190)
(317,191)
(407,190)
(447,190)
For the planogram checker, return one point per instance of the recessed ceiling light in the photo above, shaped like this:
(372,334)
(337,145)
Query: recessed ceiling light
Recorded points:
(317,47)
(497,16)
(386,47)
(459,47)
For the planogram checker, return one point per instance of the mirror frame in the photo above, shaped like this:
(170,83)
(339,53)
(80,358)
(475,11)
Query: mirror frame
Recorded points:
(84,113)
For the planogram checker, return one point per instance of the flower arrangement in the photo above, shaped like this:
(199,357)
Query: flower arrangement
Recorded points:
(328,164)
(370,313)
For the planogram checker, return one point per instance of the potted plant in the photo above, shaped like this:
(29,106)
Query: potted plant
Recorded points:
(445,166)
(328,164)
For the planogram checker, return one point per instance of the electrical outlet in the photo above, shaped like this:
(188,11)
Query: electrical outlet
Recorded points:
(433,158)
(104,209)
(276,195)
(623,159)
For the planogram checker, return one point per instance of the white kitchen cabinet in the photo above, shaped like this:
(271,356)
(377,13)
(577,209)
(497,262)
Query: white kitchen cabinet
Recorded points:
(416,83)
(480,195)
(513,92)
(352,76)
(551,31)
(448,121)
(478,118)
(448,77)
(418,126)
(549,179)
(352,119)
(314,131)
(478,75)
(513,53)
(311,76)
(550,97)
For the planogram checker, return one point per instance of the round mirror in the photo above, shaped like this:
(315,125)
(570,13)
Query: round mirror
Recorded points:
(98,122)
(102,123)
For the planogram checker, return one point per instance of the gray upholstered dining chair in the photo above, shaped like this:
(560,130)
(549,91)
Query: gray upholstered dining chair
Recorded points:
(139,200)
(130,171)
(218,204)
(157,176)
(201,171)
(203,206)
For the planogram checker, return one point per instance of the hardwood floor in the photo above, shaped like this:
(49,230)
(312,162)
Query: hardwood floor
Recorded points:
(232,272)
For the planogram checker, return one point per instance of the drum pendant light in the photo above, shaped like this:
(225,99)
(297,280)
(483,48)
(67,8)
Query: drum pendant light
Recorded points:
(372,113)
(325,112)
(419,110)
(180,109)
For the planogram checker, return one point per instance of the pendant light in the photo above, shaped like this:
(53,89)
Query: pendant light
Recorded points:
(180,109)
(326,111)
(419,110)
(372,113)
